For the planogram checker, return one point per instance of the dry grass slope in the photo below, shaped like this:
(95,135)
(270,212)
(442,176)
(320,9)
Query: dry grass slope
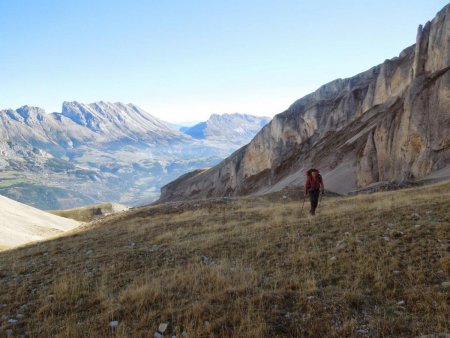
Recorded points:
(368,265)
(90,212)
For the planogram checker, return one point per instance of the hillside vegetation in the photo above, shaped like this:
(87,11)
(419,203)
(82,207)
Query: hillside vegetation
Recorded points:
(90,212)
(367,265)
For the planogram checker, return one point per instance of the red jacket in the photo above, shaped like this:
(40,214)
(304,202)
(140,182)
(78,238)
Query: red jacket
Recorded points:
(312,184)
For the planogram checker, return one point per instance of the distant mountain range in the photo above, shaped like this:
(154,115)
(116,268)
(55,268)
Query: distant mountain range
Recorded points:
(104,151)
(236,128)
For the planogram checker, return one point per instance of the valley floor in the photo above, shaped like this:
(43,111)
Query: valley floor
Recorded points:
(367,265)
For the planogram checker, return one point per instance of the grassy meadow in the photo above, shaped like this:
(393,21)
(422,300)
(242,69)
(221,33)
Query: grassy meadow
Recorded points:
(365,266)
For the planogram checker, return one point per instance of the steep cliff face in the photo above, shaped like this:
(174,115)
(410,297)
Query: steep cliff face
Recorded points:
(390,123)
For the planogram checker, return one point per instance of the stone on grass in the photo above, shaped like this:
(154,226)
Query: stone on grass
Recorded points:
(113,323)
(162,327)
(445,285)
(341,245)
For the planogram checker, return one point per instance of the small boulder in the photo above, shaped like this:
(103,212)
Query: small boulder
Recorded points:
(163,327)
(113,323)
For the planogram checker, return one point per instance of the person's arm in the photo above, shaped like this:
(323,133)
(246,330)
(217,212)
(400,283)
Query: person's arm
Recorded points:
(306,185)
(322,186)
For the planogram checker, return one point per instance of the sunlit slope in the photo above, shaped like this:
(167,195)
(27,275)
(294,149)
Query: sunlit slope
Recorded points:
(20,223)
(91,212)
(368,265)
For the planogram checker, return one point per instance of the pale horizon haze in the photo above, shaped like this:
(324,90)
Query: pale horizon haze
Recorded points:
(185,60)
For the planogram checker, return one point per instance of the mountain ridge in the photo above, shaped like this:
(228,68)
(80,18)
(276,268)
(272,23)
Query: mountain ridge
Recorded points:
(240,128)
(96,152)
(371,127)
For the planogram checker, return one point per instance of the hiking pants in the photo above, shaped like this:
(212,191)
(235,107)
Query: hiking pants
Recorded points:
(314,199)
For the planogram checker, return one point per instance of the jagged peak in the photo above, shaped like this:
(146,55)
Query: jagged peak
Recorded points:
(26,108)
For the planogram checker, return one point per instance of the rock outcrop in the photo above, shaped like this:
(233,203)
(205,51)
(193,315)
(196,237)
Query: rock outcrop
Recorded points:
(390,123)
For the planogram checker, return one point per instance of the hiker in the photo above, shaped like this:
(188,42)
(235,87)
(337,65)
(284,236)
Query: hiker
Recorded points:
(314,186)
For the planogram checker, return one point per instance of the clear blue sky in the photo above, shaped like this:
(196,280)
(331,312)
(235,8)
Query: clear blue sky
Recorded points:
(183,60)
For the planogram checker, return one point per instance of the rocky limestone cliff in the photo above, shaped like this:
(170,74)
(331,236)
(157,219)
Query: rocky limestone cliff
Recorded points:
(390,123)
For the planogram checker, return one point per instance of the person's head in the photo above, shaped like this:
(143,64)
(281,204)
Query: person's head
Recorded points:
(312,172)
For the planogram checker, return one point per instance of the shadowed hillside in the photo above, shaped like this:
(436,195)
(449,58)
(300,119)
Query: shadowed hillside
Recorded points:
(367,266)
